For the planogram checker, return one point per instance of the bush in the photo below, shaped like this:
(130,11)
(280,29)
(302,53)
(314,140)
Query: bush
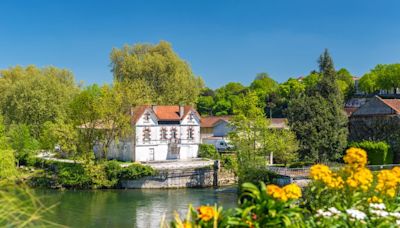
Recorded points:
(299,164)
(229,162)
(113,169)
(378,153)
(256,175)
(136,171)
(72,176)
(208,151)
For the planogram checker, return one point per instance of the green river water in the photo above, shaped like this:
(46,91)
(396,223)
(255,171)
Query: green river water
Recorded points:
(128,208)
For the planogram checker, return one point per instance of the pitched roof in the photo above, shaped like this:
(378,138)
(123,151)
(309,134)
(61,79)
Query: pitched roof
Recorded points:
(163,112)
(210,121)
(392,103)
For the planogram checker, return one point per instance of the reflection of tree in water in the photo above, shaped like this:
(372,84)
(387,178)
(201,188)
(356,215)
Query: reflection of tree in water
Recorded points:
(128,208)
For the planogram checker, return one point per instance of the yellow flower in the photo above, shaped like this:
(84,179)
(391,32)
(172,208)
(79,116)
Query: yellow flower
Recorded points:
(292,191)
(388,182)
(396,172)
(320,172)
(276,192)
(250,224)
(355,157)
(360,178)
(206,213)
(374,199)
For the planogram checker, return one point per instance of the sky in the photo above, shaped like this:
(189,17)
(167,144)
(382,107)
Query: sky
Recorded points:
(223,41)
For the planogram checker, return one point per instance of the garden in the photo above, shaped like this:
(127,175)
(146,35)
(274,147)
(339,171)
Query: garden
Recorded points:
(352,196)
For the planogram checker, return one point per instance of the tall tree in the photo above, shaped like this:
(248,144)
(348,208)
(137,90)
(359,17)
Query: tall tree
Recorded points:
(33,96)
(170,77)
(318,118)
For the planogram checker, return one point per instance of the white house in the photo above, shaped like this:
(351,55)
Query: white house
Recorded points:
(160,133)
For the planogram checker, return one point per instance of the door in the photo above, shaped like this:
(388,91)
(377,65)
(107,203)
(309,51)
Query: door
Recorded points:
(151,154)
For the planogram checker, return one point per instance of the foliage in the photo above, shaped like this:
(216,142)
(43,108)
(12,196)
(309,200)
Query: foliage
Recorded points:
(21,141)
(348,197)
(7,164)
(33,96)
(379,153)
(101,114)
(113,169)
(317,117)
(229,162)
(258,207)
(136,171)
(383,76)
(59,134)
(164,72)
(283,145)
(208,151)
(19,208)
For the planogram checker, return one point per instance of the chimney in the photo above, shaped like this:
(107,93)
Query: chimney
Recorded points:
(181,110)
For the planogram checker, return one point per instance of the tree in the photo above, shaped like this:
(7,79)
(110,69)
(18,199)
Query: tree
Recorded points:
(170,77)
(205,105)
(22,142)
(33,96)
(318,118)
(368,83)
(283,145)
(59,134)
(7,159)
(226,98)
(292,88)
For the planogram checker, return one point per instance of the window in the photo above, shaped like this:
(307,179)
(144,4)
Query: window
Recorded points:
(146,117)
(191,117)
(146,135)
(190,133)
(163,133)
(174,133)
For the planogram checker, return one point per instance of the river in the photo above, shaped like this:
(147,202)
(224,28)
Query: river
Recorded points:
(128,208)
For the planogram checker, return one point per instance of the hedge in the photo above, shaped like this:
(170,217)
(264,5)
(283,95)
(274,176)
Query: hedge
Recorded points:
(378,153)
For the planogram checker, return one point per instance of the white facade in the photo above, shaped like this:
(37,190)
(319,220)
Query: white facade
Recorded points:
(157,138)
(164,140)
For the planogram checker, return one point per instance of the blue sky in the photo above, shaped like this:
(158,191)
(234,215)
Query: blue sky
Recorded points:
(222,40)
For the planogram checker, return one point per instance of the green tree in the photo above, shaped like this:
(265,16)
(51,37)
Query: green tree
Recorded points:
(33,96)
(7,160)
(59,134)
(318,119)
(292,88)
(205,105)
(368,83)
(226,98)
(22,142)
(283,145)
(170,77)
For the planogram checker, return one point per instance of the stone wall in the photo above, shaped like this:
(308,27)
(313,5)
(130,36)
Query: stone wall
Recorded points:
(183,178)
(377,128)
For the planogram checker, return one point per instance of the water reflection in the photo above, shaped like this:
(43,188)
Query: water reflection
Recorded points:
(128,208)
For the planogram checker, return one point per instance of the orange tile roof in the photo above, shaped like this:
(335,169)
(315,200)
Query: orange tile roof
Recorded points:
(393,103)
(163,112)
(209,121)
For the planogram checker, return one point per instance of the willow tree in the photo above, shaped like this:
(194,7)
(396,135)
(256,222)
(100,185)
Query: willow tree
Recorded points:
(169,76)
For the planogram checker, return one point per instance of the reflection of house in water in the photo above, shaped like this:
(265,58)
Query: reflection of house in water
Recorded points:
(160,133)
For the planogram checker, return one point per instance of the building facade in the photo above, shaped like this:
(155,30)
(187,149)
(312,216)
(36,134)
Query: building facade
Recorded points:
(160,133)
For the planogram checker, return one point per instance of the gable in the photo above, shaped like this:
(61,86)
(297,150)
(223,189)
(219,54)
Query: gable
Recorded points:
(376,106)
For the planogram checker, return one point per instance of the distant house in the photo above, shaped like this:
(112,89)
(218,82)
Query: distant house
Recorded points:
(378,120)
(160,133)
(218,127)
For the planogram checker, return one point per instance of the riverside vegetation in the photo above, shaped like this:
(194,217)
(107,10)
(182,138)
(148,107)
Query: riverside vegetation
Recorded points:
(352,196)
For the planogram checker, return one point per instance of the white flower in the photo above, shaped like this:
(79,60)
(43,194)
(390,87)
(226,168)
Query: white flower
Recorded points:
(359,215)
(380,213)
(379,206)
(395,214)
(323,213)
(398,222)
(334,211)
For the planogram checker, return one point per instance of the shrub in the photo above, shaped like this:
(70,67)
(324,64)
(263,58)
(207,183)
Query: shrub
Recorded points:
(113,169)
(22,142)
(72,176)
(229,162)
(256,175)
(208,151)
(378,153)
(136,171)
